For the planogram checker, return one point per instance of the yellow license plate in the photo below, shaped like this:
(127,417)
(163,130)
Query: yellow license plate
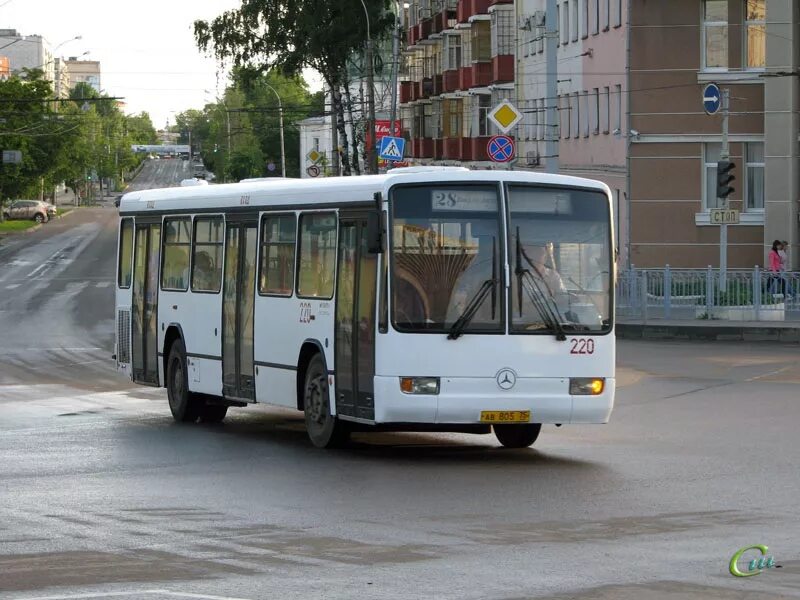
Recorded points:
(505,416)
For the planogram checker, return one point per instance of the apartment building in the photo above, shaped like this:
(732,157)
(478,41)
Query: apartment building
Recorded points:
(83,71)
(27,52)
(592,104)
(458,65)
(752,48)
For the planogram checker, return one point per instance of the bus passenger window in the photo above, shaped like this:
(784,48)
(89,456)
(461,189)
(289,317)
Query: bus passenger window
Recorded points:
(277,255)
(315,274)
(125,254)
(177,243)
(207,254)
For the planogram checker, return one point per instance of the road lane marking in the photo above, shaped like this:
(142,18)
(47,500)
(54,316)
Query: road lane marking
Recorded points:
(102,284)
(134,593)
(13,286)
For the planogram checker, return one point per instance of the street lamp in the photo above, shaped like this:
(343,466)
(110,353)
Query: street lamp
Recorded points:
(280,114)
(372,163)
(77,37)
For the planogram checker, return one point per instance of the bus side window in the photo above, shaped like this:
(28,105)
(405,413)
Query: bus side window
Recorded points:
(207,255)
(177,244)
(317,255)
(278,234)
(125,271)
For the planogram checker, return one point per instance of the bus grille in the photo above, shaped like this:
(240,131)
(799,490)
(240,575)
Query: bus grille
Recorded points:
(123,336)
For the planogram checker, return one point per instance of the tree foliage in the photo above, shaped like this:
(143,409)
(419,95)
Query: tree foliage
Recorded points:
(289,35)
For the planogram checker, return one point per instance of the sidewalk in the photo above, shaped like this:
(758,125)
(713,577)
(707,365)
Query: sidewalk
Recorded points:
(697,329)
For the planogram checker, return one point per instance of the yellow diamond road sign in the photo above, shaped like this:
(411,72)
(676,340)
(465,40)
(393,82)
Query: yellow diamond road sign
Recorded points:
(314,156)
(505,116)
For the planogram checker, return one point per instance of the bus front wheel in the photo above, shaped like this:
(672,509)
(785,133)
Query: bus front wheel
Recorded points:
(324,429)
(182,404)
(517,435)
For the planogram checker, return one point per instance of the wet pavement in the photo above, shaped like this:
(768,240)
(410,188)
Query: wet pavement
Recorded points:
(103,496)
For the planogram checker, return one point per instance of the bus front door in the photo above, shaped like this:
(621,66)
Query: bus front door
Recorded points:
(355,322)
(144,310)
(238,302)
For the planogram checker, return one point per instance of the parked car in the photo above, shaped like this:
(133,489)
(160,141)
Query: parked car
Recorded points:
(52,211)
(27,209)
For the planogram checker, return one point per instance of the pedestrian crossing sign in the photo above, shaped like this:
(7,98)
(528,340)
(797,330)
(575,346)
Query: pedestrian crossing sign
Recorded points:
(392,148)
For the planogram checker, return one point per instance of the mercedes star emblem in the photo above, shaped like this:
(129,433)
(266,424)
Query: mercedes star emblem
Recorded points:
(506,379)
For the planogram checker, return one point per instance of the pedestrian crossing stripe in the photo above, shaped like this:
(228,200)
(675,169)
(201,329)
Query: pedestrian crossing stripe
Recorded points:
(390,149)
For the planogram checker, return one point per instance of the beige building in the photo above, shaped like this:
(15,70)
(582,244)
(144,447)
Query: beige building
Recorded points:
(752,48)
(61,84)
(86,71)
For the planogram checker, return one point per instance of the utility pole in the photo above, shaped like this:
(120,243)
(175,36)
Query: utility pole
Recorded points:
(372,166)
(551,114)
(280,115)
(398,28)
(724,156)
(334,140)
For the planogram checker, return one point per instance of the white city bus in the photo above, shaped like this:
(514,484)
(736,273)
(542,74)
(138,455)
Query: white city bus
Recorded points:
(427,299)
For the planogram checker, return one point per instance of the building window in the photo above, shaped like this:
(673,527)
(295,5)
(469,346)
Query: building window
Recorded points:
(484,108)
(606,14)
(712,152)
(576,120)
(754,153)
(755,28)
(596,17)
(584,19)
(277,255)
(596,110)
(618,100)
(574,21)
(587,115)
(605,108)
(617,17)
(715,34)
(481,37)
(564,20)
(451,57)
(502,32)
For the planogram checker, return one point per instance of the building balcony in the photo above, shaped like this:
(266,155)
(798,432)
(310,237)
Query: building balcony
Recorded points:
(465,78)
(413,35)
(438,85)
(421,148)
(496,2)
(438,148)
(441,20)
(470,8)
(406,92)
(476,149)
(450,81)
(425,29)
(503,68)
(451,148)
(482,74)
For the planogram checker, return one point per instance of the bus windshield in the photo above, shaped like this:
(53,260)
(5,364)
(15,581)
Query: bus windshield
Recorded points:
(560,259)
(447,256)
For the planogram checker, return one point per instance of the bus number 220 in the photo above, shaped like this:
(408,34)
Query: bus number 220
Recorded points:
(582,346)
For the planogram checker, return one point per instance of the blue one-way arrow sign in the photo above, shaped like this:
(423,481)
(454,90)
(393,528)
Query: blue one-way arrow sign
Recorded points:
(712,98)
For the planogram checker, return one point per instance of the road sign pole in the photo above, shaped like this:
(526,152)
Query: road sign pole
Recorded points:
(723,229)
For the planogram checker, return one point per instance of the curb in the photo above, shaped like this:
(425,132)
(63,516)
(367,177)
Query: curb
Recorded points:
(23,232)
(708,333)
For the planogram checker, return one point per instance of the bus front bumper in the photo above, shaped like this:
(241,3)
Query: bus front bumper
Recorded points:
(462,399)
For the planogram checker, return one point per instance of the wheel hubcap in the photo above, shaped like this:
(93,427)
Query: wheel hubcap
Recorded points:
(316,400)
(177,381)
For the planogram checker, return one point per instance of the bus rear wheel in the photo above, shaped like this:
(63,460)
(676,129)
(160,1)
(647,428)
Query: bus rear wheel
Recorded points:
(517,435)
(183,405)
(324,429)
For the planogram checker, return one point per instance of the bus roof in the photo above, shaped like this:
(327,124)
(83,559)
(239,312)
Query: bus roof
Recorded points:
(328,191)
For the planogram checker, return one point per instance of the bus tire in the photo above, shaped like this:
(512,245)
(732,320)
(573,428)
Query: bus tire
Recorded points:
(324,429)
(183,405)
(517,435)
(213,413)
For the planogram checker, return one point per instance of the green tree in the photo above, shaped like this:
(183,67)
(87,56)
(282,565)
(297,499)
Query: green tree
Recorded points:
(290,35)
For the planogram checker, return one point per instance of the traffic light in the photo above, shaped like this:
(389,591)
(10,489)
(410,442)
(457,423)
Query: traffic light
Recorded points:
(724,178)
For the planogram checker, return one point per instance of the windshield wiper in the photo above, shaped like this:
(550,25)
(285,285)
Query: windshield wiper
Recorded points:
(477,300)
(544,303)
(471,309)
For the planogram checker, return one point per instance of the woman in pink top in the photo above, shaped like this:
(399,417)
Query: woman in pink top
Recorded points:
(776,283)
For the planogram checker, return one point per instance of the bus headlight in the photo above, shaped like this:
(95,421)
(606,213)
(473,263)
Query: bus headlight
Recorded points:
(420,385)
(586,386)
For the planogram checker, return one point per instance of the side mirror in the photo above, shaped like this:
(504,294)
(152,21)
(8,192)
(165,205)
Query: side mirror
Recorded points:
(374,232)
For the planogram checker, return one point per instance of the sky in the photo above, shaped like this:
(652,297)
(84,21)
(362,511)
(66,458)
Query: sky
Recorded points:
(146,48)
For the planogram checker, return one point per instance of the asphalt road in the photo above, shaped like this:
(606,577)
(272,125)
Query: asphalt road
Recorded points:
(103,496)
